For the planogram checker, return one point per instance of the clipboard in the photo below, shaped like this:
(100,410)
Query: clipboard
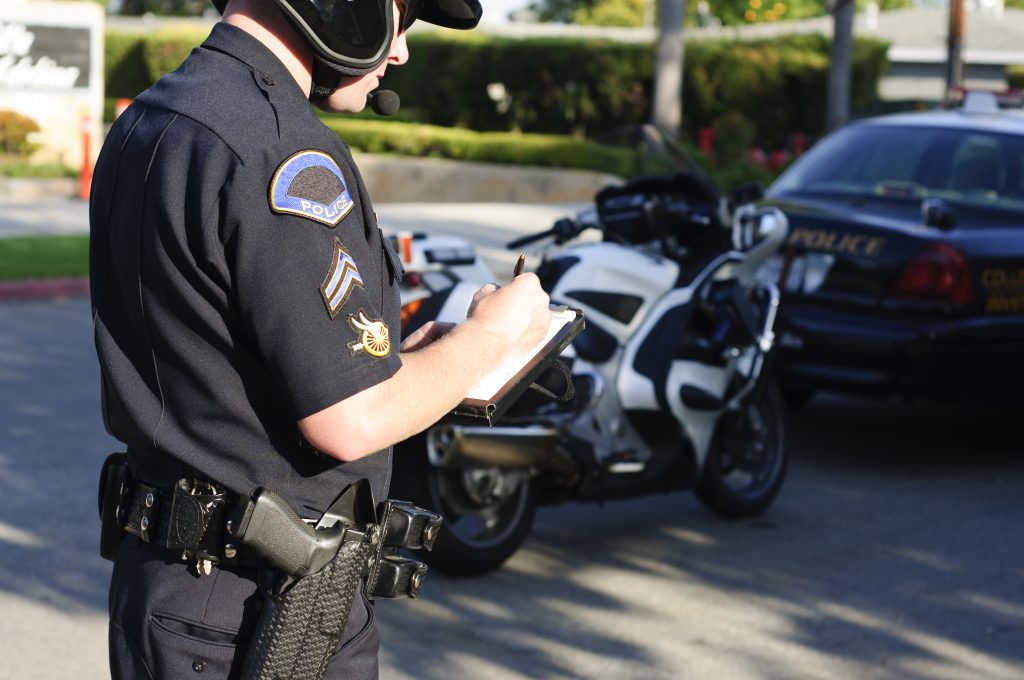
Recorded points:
(492,398)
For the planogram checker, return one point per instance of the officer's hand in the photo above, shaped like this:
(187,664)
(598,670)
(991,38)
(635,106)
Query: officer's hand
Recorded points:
(425,334)
(517,314)
(484,291)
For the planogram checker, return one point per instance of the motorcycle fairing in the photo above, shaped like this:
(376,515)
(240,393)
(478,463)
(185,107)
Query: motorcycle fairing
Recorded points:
(595,344)
(651,376)
(620,306)
(609,267)
(551,272)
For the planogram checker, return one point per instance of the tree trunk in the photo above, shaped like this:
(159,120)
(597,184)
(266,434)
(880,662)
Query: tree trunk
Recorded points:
(839,73)
(667,111)
(954,47)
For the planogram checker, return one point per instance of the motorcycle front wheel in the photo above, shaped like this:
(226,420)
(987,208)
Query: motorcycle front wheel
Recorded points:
(488,512)
(747,461)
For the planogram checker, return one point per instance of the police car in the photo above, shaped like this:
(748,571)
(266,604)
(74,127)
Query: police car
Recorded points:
(904,267)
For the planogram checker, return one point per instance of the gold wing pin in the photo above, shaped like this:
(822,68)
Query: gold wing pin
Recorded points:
(374,338)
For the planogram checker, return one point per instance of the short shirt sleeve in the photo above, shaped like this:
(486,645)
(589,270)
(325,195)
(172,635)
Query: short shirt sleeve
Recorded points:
(309,279)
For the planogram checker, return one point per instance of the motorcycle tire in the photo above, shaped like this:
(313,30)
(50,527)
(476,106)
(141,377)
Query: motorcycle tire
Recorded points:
(747,460)
(796,399)
(478,535)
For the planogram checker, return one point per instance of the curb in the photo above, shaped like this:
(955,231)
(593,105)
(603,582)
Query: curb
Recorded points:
(44,289)
(37,188)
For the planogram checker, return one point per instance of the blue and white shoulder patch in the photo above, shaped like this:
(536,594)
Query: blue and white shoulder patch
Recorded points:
(341,279)
(309,184)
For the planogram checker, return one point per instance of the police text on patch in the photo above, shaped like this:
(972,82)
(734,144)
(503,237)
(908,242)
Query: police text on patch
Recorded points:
(310,184)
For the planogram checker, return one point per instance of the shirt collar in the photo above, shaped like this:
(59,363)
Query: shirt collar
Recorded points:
(239,44)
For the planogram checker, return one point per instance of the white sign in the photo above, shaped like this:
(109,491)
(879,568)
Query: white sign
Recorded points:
(36,57)
(51,70)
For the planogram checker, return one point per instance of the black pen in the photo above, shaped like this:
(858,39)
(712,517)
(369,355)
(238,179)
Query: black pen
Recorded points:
(519,265)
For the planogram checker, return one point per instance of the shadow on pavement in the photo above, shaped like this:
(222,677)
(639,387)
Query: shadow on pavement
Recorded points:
(50,452)
(894,550)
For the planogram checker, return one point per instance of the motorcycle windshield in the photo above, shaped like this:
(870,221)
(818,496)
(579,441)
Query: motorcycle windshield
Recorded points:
(654,151)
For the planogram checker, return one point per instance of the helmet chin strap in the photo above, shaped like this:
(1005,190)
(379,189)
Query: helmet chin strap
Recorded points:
(325,81)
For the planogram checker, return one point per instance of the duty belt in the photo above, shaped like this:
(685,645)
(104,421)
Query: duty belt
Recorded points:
(210,525)
(317,570)
(190,517)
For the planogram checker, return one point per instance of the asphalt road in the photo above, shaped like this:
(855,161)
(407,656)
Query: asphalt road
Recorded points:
(894,550)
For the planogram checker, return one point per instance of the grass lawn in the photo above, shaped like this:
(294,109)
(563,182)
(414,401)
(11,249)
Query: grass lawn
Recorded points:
(43,257)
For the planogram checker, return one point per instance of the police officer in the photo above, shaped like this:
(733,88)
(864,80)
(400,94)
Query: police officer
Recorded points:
(247,312)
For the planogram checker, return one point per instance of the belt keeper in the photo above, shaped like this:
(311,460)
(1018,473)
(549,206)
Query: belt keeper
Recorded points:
(147,506)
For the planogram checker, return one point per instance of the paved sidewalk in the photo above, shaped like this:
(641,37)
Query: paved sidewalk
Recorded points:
(71,216)
(51,216)
(487,225)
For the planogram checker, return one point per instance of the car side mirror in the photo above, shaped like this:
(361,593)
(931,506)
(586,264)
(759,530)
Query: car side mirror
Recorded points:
(937,213)
(747,192)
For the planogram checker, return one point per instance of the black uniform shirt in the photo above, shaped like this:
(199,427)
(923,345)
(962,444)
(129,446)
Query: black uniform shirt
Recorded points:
(239,279)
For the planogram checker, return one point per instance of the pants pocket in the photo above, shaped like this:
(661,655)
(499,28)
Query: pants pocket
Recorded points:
(357,656)
(183,648)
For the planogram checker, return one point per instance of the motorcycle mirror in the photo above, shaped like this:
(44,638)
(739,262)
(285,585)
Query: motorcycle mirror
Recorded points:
(746,192)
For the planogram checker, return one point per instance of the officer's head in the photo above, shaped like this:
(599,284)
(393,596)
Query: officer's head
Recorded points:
(353,39)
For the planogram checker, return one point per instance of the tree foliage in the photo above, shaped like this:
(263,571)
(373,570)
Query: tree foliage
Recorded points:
(698,12)
(181,8)
(15,129)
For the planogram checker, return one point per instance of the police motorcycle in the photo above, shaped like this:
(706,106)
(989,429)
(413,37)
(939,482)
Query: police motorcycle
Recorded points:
(670,382)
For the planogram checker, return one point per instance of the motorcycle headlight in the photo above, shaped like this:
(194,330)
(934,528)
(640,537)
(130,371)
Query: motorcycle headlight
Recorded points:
(751,227)
(766,226)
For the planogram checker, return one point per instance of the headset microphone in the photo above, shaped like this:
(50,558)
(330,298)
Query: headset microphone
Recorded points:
(384,102)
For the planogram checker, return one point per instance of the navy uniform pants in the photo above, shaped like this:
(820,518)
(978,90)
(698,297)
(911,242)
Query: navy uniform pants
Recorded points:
(167,623)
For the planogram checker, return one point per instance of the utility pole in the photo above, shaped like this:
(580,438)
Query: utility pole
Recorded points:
(838,112)
(954,47)
(667,109)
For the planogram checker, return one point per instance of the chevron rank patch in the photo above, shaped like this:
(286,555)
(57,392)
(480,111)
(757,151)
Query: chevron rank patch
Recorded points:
(342,277)
(310,184)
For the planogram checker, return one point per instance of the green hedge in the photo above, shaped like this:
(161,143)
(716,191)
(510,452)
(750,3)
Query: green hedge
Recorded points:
(125,65)
(728,168)
(573,86)
(412,139)
(134,61)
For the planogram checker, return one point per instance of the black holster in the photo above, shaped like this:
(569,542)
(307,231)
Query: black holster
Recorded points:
(300,628)
(305,614)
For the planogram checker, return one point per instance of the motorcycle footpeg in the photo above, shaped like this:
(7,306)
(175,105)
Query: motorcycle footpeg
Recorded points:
(405,525)
(393,577)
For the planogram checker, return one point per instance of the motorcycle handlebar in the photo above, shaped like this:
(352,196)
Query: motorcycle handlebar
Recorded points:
(563,230)
(511,245)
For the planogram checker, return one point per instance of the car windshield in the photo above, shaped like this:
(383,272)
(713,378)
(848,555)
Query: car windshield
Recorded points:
(964,166)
